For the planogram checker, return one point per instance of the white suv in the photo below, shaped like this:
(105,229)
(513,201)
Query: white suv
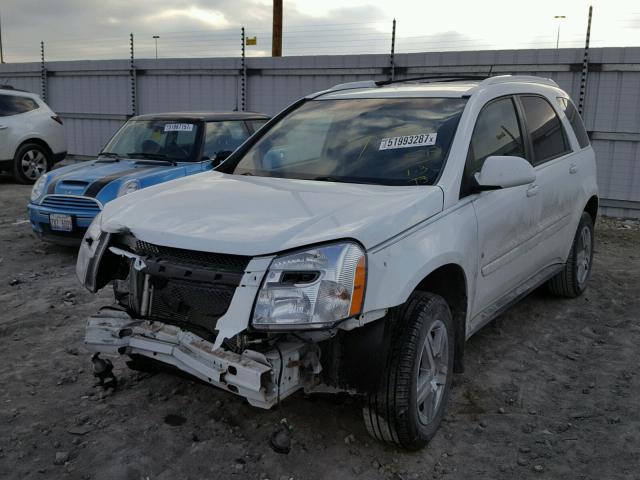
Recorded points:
(31,135)
(353,244)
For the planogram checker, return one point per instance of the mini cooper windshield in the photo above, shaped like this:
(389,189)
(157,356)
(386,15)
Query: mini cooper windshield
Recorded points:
(171,140)
(389,141)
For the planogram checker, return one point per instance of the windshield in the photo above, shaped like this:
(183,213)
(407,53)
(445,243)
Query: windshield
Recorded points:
(390,141)
(173,140)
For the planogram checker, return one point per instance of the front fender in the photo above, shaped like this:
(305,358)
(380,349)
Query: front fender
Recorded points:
(398,266)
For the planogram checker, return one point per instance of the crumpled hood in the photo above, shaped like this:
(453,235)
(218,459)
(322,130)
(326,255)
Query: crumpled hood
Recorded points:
(250,215)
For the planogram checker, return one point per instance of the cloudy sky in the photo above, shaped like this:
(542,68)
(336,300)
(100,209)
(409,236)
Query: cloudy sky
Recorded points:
(98,29)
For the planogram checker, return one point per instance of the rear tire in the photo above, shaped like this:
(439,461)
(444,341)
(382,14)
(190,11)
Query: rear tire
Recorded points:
(572,280)
(408,407)
(31,161)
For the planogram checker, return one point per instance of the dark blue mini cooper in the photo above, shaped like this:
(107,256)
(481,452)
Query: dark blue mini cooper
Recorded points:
(146,151)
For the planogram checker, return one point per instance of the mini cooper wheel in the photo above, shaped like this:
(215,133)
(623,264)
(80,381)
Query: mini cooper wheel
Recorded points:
(31,161)
(572,280)
(409,404)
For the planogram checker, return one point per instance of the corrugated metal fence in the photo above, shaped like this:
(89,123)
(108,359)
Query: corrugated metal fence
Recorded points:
(96,97)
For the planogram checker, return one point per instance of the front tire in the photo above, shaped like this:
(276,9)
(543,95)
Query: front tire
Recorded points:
(31,161)
(572,280)
(408,407)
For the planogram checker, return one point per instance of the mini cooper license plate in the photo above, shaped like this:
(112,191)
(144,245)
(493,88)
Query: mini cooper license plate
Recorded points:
(61,223)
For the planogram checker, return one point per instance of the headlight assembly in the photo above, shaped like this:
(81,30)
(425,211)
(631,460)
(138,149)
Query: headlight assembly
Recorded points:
(38,187)
(88,248)
(312,288)
(129,186)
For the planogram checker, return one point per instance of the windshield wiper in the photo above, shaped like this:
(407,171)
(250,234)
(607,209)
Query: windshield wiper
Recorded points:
(328,178)
(152,156)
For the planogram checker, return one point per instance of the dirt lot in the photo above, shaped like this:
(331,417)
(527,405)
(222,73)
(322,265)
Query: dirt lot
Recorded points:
(551,390)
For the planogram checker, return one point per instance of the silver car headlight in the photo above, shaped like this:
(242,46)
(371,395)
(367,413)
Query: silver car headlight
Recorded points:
(88,248)
(38,187)
(129,186)
(313,288)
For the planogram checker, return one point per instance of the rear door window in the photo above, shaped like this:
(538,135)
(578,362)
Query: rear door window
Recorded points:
(545,129)
(575,120)
(13,105)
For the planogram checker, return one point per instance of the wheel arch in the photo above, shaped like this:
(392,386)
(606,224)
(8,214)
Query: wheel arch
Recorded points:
(592,208)
(450,282)
(37,141)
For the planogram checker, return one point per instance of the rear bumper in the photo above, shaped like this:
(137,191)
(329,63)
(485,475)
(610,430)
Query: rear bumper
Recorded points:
(252,375)
(58,157)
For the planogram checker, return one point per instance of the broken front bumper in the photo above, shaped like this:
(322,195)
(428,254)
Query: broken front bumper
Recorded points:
(252,374)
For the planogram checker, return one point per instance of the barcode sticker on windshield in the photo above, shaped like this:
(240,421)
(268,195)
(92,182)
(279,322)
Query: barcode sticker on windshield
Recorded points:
(178,127)
(406,141)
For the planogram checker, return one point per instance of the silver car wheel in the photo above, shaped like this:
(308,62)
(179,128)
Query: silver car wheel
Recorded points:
(33,163)
(432,372)
(583,255)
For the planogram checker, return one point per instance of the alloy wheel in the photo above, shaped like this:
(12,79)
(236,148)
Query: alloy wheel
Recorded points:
(432,372)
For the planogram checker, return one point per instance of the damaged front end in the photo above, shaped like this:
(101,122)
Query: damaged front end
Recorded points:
(252,374)
(191,309)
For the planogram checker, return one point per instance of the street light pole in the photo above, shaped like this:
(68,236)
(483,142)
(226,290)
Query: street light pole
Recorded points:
(559,18)
(1,54)
(156,37)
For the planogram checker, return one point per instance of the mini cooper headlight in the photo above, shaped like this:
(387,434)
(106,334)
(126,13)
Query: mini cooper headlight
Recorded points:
(129,186)
(312,288)
(38,187)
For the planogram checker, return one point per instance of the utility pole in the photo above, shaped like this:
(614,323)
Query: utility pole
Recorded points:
(132,78)
(585,65)
(1,54)
(276,38)
(43,74)
(392,62)
(156,37)
(559,18)
(243,78)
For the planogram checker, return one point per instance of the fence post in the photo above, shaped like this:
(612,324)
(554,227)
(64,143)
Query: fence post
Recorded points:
(243,78)
(132,77)
(393,51)
(43,74)
(585,65)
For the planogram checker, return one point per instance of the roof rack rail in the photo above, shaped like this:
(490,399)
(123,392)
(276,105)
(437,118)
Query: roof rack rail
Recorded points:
(435,78)
(11,87)
(518,78)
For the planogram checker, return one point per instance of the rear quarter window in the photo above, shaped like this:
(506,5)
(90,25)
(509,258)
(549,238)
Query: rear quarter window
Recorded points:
(13,105)
(575,120)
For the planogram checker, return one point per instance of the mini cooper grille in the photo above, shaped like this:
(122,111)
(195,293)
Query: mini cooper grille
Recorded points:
(214,261)
(83,204)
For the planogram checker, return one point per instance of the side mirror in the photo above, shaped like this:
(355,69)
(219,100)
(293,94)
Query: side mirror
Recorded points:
(504,172)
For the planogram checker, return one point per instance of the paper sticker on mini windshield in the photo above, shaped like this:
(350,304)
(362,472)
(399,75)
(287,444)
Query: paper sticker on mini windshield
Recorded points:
(178,127)
(406,141)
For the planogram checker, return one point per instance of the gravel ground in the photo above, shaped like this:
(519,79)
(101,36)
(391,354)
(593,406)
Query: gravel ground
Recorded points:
(551,390)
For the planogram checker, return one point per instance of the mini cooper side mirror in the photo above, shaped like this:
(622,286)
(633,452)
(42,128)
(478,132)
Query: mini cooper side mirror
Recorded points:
(500,171)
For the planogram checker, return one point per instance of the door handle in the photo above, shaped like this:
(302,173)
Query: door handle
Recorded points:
(533,190)
(573,168)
